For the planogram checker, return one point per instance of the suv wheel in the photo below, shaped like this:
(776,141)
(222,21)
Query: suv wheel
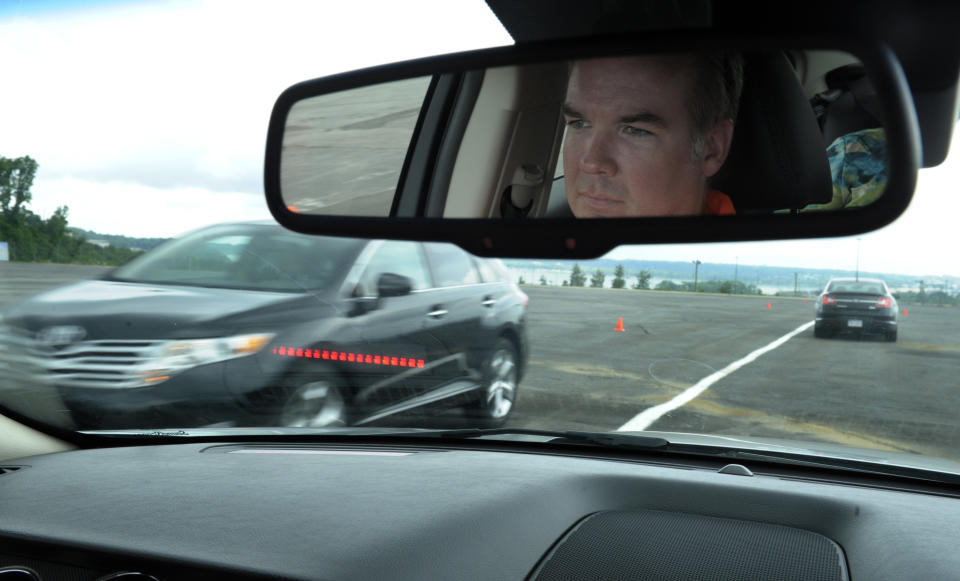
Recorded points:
(500,386)
(315,399)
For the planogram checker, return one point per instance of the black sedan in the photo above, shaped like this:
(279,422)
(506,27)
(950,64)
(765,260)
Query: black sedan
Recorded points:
(856,305)
(251,324)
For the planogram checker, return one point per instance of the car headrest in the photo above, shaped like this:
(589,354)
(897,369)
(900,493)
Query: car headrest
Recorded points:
(777,159)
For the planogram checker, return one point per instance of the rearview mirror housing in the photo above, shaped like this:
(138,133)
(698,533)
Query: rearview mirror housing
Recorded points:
(419,206)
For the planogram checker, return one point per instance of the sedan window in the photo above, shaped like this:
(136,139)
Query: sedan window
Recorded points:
(857,287)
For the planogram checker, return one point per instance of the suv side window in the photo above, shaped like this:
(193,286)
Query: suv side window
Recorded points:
(487,272)
(397,257)
(450,265)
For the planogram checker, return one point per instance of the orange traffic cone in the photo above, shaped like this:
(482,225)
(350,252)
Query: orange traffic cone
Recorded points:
(619,326)
(768,304)
(904,312)
(804,301)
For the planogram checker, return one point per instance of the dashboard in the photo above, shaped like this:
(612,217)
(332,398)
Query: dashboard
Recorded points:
(339,511)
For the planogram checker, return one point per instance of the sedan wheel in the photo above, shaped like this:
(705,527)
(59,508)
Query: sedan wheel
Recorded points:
(314,403)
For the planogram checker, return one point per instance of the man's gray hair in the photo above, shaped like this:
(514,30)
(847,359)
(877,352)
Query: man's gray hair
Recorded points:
(715,95)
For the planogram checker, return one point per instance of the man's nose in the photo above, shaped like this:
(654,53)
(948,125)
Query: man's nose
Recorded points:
(598,156)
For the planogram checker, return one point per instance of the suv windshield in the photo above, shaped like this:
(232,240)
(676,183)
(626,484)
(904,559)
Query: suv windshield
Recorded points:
(135,246)
(243,257)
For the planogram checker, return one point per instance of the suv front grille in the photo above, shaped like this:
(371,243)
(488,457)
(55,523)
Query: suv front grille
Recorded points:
(95,364)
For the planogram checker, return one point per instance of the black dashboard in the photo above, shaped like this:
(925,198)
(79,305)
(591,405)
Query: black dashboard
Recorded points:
(341,511)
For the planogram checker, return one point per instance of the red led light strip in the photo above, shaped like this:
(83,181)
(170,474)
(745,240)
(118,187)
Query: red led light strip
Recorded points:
(365,358)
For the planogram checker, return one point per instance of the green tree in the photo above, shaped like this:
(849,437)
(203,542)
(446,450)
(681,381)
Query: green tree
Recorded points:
(543,280)
(521,281)
(618,280)
(565,283)
(668,285)
(726,287)
(56,230)
(596,281)
(16,179)
(577,278)
(643,280)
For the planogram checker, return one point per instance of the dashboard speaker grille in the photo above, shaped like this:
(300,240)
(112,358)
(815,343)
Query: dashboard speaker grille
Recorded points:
(675,546)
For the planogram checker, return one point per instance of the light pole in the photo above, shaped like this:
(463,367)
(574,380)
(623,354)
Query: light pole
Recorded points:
(858,258)
(696,273)
(736,268)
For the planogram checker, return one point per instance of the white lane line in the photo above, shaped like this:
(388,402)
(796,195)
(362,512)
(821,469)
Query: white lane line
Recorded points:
(644,419)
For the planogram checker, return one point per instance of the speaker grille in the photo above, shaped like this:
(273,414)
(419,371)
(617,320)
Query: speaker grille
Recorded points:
(675,546)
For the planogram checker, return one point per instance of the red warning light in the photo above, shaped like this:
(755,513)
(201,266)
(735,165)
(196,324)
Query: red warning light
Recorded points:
(367,358)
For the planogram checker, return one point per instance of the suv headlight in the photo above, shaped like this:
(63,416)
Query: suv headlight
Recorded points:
(177,356)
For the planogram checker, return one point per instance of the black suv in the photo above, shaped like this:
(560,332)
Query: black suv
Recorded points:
(255,322)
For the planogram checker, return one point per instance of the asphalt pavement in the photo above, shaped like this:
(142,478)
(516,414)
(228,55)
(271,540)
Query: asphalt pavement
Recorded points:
(859,391)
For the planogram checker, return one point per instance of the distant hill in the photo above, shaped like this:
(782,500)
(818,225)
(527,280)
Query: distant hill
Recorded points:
(121,241)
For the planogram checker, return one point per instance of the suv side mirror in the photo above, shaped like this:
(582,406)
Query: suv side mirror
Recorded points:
(393,285)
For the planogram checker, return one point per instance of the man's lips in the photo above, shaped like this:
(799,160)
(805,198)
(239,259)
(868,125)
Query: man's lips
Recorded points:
(600,202)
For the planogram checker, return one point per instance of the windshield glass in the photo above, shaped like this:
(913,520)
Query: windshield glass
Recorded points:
(855,286)
(135,242)
(243,257)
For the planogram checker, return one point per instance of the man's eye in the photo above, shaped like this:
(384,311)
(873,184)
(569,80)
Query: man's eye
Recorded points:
(577,124)
(635,131)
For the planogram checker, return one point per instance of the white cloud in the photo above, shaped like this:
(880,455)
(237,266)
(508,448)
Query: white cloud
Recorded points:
(132,209)
(175,96)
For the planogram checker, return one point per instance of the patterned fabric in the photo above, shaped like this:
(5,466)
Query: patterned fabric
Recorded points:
(858,163)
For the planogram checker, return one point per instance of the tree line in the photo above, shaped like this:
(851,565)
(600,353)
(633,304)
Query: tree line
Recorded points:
(641,281)
(30,238)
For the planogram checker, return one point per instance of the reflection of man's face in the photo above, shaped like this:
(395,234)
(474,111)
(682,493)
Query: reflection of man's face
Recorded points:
(629,148)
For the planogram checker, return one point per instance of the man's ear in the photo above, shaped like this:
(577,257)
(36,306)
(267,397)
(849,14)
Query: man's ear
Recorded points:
(716,146)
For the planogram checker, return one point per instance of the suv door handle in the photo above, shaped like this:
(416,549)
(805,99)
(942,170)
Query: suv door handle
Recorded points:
(489,301)
(438,312)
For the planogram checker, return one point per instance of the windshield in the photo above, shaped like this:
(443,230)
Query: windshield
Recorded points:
(856,286)
(243,257)
(135,244)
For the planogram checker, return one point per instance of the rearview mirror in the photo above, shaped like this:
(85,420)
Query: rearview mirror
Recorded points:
(696,141)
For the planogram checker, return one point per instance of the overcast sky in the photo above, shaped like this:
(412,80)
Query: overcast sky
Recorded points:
(149,118)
